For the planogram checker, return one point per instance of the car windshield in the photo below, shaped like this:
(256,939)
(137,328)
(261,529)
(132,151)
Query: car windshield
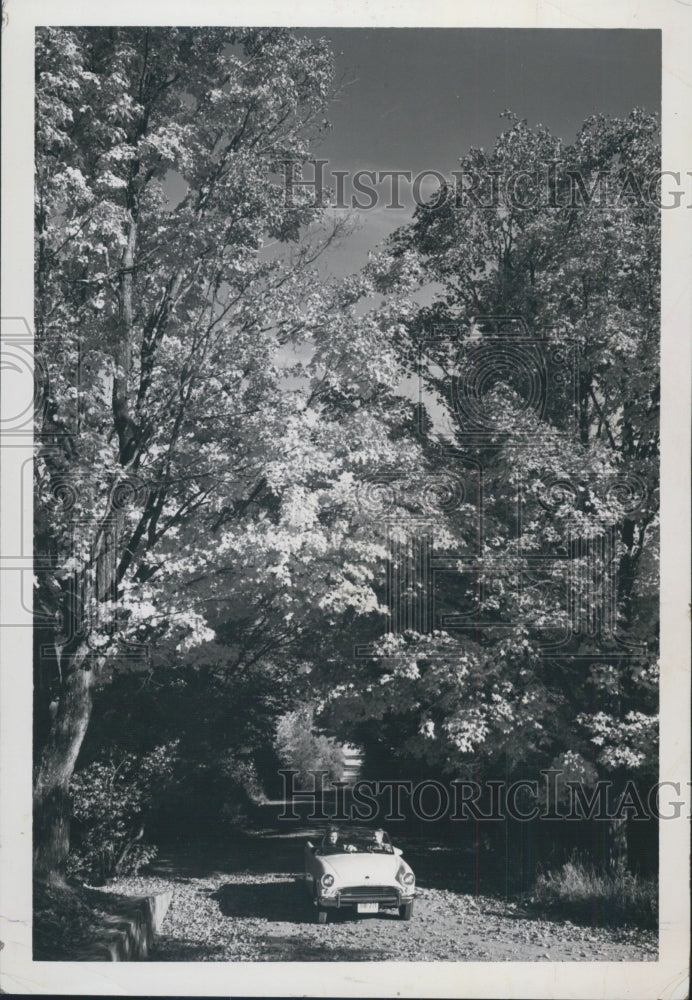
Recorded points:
(356,841)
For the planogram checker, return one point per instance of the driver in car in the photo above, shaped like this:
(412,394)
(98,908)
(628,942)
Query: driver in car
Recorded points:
(333,844)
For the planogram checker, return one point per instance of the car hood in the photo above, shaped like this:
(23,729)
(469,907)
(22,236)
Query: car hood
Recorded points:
(353,868)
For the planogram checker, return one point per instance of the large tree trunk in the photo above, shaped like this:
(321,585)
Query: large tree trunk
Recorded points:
(56,765)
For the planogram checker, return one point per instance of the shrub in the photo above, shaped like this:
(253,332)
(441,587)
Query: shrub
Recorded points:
(585,895)
(110,803)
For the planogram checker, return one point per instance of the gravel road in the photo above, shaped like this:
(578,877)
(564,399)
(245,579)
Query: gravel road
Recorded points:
(238,909)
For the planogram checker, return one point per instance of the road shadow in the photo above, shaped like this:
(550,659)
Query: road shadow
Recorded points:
(448,868)
(274,901)
(237,854)
(282,901)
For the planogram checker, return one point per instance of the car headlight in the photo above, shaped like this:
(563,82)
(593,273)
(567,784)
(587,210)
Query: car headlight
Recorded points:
(327,880)
(408,878)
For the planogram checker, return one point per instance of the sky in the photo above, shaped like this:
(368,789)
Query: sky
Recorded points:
(416,99)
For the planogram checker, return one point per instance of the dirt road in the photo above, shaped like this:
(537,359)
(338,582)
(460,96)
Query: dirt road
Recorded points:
(249,904)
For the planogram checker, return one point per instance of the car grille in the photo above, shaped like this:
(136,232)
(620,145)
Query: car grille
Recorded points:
(370,894)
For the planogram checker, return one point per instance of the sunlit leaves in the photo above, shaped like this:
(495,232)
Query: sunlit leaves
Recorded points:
(523,240)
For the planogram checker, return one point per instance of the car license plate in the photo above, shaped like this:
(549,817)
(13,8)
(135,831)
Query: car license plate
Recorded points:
(368,907)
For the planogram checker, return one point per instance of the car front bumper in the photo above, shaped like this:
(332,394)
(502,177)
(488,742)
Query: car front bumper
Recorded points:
(385,895)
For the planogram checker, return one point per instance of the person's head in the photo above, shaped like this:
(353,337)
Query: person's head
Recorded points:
(379,836)
(332,835)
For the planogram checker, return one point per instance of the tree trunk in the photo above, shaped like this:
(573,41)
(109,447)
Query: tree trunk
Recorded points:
(617,845)
(57,762)
(616,859)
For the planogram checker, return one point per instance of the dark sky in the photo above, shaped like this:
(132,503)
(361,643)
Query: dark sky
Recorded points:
(416,99)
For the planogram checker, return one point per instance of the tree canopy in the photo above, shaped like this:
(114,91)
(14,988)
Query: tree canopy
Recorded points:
(234,490)
(210,412)
(538,364)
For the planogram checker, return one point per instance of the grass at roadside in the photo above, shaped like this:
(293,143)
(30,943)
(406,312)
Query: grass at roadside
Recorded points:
(581,893)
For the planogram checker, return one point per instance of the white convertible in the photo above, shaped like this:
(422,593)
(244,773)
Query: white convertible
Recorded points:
(358,869)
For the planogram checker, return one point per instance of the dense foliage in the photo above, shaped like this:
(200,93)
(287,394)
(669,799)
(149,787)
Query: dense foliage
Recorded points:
(538,365)
(233,489)
(208,410)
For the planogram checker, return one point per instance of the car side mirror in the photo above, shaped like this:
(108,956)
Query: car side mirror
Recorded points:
(397,851)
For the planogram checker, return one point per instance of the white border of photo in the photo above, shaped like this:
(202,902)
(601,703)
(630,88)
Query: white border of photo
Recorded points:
(668,977)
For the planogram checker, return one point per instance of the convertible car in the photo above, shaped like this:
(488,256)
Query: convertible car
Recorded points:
(358,869)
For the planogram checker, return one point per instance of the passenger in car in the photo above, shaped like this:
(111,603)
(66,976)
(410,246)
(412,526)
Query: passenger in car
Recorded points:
(380,844)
